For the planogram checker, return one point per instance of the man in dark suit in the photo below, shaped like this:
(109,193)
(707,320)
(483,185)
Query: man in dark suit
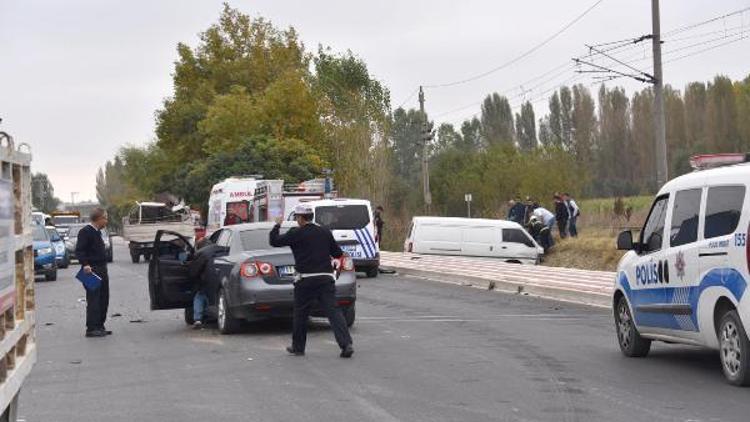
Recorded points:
(92,254)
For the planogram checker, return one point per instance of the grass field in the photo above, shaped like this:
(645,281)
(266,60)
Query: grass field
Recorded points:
(595,247)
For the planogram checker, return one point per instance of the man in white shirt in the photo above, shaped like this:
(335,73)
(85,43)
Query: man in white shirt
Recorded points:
(573,212)
(547,218)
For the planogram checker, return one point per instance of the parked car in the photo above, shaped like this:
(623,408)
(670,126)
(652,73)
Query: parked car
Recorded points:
(62,256)
(250,280)
(72,238)
(684,278)
(505,240)
(44,254)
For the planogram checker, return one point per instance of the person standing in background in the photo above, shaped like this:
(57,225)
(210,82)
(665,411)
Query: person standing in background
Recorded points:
(92,254)
(561,215)
(516,211)
(379,223)
(574,211)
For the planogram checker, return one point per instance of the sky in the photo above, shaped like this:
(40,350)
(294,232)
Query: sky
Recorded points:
(81,78)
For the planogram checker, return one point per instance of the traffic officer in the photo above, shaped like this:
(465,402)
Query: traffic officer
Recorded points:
(92,254)
(312,246)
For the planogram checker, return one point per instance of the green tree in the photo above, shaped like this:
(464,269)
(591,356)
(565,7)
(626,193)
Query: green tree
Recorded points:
(584,124)
(497,121)
(471,133)
(566,118)
(555,120)
(447,137)
(43,193)
(526,127)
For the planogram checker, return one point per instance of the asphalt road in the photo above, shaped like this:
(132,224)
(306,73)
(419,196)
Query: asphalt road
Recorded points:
(424,352)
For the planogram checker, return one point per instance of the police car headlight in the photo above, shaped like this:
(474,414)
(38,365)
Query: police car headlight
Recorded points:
(45,251)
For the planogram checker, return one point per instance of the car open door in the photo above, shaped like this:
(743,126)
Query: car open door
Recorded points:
(170,286)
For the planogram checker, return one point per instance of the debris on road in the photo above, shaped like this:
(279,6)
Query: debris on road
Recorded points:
(138,321)
(116,314)
(76,362)
(49,323)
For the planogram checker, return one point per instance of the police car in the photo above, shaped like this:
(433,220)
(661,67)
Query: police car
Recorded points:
(685,277)
(352,225)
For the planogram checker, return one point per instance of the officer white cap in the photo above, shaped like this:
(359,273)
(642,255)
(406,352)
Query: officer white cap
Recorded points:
(303,209)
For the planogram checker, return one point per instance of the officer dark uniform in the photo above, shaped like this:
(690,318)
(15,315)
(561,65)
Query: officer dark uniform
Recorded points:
(313,246)
(91,253)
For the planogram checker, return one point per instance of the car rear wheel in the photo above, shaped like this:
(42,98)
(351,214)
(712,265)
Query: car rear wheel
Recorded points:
(189,320)
(734,349)
(226,323)
(349,315)
(630,340)
(51,276)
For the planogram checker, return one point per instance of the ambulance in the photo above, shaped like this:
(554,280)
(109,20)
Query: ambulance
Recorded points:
(352,225)
(685,276)
(230,202)
(274,198)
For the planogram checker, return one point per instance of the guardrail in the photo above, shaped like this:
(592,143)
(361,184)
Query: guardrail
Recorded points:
(567,284)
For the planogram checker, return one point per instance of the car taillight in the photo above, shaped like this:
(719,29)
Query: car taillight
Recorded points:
(249,269)
(264,268)
(347,263)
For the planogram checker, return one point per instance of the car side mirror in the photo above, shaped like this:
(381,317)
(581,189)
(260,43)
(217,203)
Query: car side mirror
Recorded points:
(625,241)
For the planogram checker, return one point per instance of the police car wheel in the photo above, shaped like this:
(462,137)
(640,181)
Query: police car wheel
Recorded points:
(734,349)
(630,340)
(135,257)
(225,322)
(372,272)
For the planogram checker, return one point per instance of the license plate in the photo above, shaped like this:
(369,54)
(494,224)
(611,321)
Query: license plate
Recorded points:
(286,270)
(352,251)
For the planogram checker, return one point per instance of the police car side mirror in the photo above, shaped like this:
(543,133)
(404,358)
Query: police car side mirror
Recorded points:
(625,241)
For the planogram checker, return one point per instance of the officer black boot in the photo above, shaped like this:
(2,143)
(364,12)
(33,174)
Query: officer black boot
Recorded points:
(291,351)
(347,351)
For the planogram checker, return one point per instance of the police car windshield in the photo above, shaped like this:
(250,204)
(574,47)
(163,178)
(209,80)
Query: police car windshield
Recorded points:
(342,217)
(39,233)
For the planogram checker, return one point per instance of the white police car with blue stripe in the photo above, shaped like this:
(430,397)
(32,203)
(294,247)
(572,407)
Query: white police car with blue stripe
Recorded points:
(351,222)
(684,279)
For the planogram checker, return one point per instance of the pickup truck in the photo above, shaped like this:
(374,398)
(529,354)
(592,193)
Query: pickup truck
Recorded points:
(139,227)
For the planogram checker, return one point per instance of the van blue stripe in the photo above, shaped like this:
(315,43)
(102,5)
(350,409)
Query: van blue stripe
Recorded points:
(372,242)
(363,233)
(369,244)
(365,247)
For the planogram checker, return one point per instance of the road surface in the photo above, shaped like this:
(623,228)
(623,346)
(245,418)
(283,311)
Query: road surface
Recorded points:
(424,352)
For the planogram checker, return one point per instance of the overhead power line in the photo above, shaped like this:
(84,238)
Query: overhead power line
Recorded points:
(705,22)
(527,53)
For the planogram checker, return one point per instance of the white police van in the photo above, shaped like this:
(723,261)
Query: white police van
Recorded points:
(352,225)
(685,277)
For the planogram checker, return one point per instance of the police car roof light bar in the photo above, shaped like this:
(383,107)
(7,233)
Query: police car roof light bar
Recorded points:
(707,161)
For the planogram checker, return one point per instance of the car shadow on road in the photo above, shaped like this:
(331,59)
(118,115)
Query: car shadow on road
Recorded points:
(275,326)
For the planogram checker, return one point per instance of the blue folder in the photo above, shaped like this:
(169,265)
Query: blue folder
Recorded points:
(90,281)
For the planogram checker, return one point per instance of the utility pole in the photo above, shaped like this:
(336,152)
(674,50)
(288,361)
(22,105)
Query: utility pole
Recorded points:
(73,197)
(659,124)
(427,136)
